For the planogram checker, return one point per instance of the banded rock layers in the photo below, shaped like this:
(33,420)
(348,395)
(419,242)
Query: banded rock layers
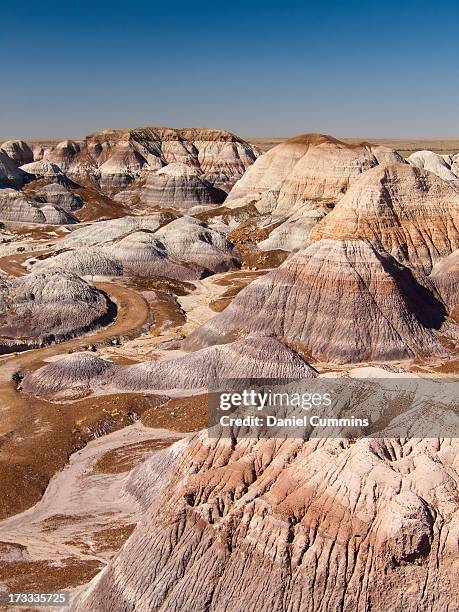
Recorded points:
(289,525)
(182,249)
(337,301)
(10,174)
(297,183)
(445,275)
(40,308)
(253,357)
(311,170)
(17,206)
(179,186)
(18,151)
(408,212)
(116,158)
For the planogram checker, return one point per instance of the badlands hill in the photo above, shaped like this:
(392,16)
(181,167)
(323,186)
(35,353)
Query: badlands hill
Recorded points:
(46,307)
(348,524)
(46,171)
(143,169)
(336,301)
(254,357)
(18,151)
(408,212)
(10,174)
(297,182)
(116,158)
(308,169)
(180,186)
(18,206)
(298,525)
(158,245)
(59,195)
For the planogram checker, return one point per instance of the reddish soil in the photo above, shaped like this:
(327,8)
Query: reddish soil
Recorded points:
(126,458)
(182,414)
(37,437)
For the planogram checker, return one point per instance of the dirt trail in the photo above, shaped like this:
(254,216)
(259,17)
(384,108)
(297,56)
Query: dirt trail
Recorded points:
(37,437)
(132,313)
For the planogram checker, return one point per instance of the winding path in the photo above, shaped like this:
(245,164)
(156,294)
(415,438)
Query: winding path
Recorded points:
(36,436)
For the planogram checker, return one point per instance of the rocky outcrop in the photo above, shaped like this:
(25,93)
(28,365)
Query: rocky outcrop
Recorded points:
(121,168)
(45,307)
(404,210)
(299,181)
(115,158)
(179,186)
(257,357)
(59,195)
(16,206)
(338,301)
(105,232)
(290,525)
(45,170)
(441,165)
(310,171)
(10,174)
(18,151)
(183,249)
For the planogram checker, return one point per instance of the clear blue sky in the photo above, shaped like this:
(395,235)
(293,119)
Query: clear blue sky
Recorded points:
(352,68)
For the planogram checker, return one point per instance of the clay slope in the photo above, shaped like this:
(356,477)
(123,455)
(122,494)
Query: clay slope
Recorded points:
(182,249)
(444,166)
(116,158)
(104,232)
(17,206)
(445,275)
(58,194)
(296,183)
(18,151)
(257,357)
(47,171)
(311,170)
(406,211)
(10,174)
(290,525)
(180,186)
(40,308)
(336,301)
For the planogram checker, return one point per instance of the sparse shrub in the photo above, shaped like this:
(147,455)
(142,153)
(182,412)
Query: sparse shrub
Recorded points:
(17,377)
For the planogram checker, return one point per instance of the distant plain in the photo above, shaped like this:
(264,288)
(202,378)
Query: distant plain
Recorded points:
(405,146)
